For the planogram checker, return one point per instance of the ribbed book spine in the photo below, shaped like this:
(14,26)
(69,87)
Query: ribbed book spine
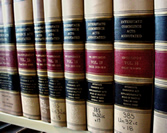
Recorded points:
(160,89)
(133,65)
(25,43)
(55,66)
(74,61)
(10,87)
(41,62)
(99,65)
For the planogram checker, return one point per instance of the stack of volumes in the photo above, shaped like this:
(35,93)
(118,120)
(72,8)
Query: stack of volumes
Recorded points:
(85,64)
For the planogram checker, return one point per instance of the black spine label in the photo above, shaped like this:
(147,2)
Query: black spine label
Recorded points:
(56,88)
(39,33)
(99,30)
(74,31)
(25,34)
(134,28)
(160,31)
(101,93)
(160,98)
(134,96)
(29,84)
(54,32)
(75,89)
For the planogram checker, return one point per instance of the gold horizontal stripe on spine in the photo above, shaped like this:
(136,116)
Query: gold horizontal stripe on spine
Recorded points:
(43,97)
(58,100)
(133,80)
(161,46)
(36,21)
(102,106)
(99,78)
(161,83)
(10,91)
(41,49)
(55,74)
(133,46)
(12,73)
(133,14)
(132,110)
(42,74)
(91,46)
(8,25)
(70,46)
(160,114)
(54,46)
(30,95)
(74,76)
(83,102)
(23,23)
(99,15)
(53,19)
(160,13)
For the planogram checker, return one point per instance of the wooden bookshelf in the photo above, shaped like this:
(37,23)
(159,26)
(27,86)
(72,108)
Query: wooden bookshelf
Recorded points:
(35,124)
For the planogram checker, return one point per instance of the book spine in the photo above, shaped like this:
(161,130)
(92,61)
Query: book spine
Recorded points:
(160,89)
(41,61)
(10,87)
(99,65)
(25,43)
(134,65)
(74,62)
(55,66)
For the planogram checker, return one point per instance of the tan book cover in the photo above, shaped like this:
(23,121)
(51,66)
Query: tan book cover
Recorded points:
(160,84)
(133,65)
(41,62)
(74,63)
(25,42)
(99,65)
(10,86)
(55,67)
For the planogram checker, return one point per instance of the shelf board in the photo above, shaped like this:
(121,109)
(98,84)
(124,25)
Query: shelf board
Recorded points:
(35,124)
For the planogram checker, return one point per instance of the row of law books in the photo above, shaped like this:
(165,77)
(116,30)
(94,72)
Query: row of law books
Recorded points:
(97,65)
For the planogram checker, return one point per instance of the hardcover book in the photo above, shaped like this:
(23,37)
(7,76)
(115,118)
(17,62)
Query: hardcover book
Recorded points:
(99,65)
(41,62)
(25,42)
(10,98)
(74,61)
(55,66)
(160,89)
(134,65)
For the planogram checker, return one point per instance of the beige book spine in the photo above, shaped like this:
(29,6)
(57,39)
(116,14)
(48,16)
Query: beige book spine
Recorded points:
(23,13)
(160,84)
(134,65)
(40,48)
(74,47)
(55,70)
(99,65)
(10,88)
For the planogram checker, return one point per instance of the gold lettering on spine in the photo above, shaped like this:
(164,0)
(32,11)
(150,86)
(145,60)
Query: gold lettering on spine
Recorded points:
(76,110)
(23,13)
(53,13)
(99,116)
(131,119)
(160,117)
(11,100)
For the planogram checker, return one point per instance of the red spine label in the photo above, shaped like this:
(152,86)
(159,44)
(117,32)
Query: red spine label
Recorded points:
(136,63)
(55,60)
(74,61)
(99,62)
